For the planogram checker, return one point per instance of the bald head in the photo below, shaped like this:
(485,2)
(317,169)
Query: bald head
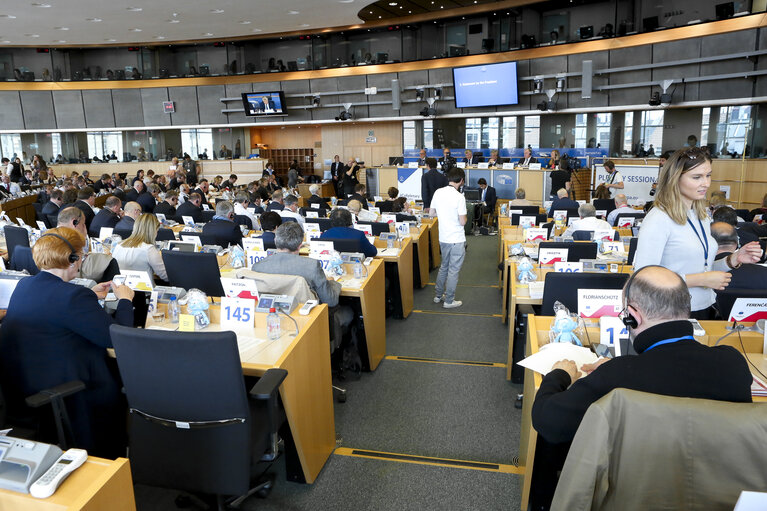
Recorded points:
(621,199)
(726,236)
(656,295)
(561,193)
(132,209)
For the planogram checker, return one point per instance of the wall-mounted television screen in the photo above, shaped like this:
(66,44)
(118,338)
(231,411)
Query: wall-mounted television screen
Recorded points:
(486,85)
(264,103)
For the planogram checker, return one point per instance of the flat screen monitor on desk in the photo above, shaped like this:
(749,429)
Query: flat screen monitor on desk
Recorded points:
(471,194)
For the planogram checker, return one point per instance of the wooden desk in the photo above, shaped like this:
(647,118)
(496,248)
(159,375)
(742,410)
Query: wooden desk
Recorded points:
(421,254)
(436,255)
(326,190)
(21,208)
(372,296)
(97,485)
(306,393)
(538,335)
(101,200)
(404,263)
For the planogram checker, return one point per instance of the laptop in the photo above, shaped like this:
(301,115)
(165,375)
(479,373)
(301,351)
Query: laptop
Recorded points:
(7,287)
(471,195)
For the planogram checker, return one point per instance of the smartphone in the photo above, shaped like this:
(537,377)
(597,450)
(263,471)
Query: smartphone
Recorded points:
(118,280)
(697,329)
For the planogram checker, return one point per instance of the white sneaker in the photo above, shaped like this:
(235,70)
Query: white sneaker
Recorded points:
(452,305)
(437,299)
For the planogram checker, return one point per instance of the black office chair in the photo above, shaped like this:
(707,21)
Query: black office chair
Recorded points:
(123,233)
(288,219)
(575,251)
(725,299)
(378,227)
(603,204)
(189,270)
(526,210)
(205,239)
(632,250)
(22,260)
(243,220)
(405,218)
(345,245)
(321,212)
(385,206)
(324,223)
(39,215)
(583,235)
(539,218)
(53,220)
(193,427)
(637,215)
(15,237)
(744,214)
(207,216)
(165,235)
(563,287)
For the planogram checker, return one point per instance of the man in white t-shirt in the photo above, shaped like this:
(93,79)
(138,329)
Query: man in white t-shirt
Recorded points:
(614,179)
(450,206)
(588,221)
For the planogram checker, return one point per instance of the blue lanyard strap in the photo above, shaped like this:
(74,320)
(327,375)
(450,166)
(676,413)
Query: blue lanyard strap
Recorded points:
(669,341)
(702,238)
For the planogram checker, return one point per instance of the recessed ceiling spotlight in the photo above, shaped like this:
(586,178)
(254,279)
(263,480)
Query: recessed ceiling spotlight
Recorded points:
(257,30)
(393,4)
(174,21)
(207,34)
(61,41)
(159,37)
(8,16)
(32,35)
(134,9)
(305,25)
(345,1)
(42,6)
(94,20)
(111,40)
(5,42)
(61,28)
(134,30)
(245,22)
(293,12)
(217,11)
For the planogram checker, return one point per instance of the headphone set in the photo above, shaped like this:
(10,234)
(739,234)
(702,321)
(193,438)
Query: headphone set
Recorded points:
(73,257)
(628,320)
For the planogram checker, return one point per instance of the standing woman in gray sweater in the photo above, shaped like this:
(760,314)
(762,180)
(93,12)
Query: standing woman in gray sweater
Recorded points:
(676,233)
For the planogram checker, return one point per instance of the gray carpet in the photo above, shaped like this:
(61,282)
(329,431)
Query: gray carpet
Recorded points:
(476,300)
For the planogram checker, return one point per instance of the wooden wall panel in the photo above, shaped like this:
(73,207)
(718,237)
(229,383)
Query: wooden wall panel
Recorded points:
(292,137)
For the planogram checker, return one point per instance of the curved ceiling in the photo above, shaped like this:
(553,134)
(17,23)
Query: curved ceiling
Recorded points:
(388,9)
(107,22)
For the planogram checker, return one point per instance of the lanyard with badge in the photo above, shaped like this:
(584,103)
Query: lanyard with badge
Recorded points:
(703,241)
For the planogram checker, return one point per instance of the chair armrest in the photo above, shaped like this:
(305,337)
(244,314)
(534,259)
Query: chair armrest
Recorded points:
(268,384)
(45,396)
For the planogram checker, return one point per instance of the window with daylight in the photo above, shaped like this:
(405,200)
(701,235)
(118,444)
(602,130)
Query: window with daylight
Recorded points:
(733,128)
(509,133)
(532,130)
(628,133)
(651,130)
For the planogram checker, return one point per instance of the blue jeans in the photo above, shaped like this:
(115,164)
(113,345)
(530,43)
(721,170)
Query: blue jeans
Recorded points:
(447,278)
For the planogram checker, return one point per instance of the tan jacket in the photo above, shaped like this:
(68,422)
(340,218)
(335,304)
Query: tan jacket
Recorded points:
(640,451)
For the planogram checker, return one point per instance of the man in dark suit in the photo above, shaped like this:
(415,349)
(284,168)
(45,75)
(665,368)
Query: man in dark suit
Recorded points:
(138,188)
(54,204)
(336,172)
(447,162)
(105,183)
(487,200)
(168,206)
(131,212)
(118,190)
(269,222)
(747,231)
(148,199)
(350,179)
(222,227)
(341,228)
(527,159)
(177,181)
(107,217)
(472,159)
(85,201)
(422,158)
(276,203)
(315,198)
(191,207)
(745,276)
(431,182)
(562,202)
(360,195)
(202,190)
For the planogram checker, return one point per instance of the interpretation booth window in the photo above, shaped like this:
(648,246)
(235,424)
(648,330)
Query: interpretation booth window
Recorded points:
(604,122)
(533,131)
(509,133)
(732,127)
(704,126)
(628,133)
(651,130)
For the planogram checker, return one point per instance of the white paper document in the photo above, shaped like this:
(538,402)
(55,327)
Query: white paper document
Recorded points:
(550,354)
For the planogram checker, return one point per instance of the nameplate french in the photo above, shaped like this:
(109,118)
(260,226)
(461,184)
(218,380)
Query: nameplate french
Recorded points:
(536,234)
(483,165)
(312,214)
(603,235)
(749,309)
(255,256)
(402,228)
(161,217)
(96,246)
(526,222)
(566,267)
(515,212)
(374,209)
(21,222)
(461,164)
(535,288)
(137,280)
(412,165)
(186,323)
(237,313)
(192,239)
(552,255)
(535,166)
(105,232)
(366,228)
(595,303)
(41,225)
(240,288)
(560,214)
(602,212)
(205,207)
(252,244)
(626,221)
(508,166)
(319,247)
(311,235)
(389,219)
(188,220)
(612,330)
(312,227)
(613,247)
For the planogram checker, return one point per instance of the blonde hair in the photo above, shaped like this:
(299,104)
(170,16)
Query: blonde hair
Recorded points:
(144,231)
(354,206)
(51,252)
(668,198)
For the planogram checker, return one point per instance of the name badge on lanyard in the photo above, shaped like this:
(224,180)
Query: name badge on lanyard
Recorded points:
(703,241)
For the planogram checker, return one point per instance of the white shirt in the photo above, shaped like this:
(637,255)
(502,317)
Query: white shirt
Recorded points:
(676,247)
(239,210)
(15,188)
(145,257)
(367,216)
(590,223)
(612,179)
(449,204)
(613,215)
(286,213)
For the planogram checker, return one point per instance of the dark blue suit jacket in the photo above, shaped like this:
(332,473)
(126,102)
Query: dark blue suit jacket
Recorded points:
(68,342)
(490,197)
(268,238)
(348,233)
(565,203)
(104,218)
(275,206)
(147,202)
(225,232)
(188,209)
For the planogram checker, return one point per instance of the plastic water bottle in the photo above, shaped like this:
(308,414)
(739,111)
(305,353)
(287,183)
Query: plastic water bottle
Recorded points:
(273,325)
(358,271)
(173,309)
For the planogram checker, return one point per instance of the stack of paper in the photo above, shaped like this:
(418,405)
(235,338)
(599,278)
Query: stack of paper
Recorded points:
(758,388)
(550,354)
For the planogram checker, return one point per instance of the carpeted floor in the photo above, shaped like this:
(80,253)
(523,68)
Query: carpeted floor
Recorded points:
(454,411)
